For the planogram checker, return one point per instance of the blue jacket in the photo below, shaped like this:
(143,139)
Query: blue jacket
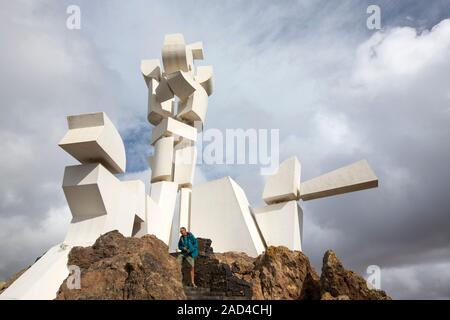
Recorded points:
(189,242)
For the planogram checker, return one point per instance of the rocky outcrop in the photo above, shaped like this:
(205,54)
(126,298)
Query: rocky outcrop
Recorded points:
(283,274)
(280,274)
(219,272)
(116,267)
(337,283)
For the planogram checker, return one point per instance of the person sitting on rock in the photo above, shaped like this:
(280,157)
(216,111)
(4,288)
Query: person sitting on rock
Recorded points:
(189,250)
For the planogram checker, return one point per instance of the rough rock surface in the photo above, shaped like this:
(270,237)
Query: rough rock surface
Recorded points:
(278,274)
(337,283)
(116,267)
(217,275)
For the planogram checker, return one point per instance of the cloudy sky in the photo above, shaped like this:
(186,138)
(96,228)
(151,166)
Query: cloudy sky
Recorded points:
(337,91)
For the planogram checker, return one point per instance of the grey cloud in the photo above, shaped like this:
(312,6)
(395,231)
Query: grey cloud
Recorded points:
(276,66)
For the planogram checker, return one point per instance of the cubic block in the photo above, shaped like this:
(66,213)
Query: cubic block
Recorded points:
(194,107)
(93,138)
(171,127)
(151,69)
(162,160)
(175,55)
(281,224)
(99,203)
(204,77)
(185,158)
(197,50)
(181,83)
(157,110)
(164,195)
(355,177)
(284,184)
(163,92)
(185,207)
(220,211)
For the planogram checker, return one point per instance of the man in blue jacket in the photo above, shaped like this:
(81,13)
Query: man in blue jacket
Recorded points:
(189,250)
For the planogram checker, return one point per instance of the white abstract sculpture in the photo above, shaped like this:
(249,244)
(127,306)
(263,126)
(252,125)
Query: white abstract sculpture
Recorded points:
(99,202)
(219,209)
(175,133)
(281,222)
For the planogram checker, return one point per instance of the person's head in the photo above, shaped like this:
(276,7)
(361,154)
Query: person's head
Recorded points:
(183,231)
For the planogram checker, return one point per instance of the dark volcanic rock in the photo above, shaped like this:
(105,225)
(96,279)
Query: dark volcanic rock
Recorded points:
(283,274)
(337,283)
(277,274)
(211,273)
(116,267)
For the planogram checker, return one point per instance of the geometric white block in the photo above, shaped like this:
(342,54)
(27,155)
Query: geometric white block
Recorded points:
(284,184)
(151,69)
(185,157)
(164,195)
(176,55)
(181,83)
(162,160)
(171,127)
(99,203)
(204,77)
(185,207)
(194,108)
(43,279)
(220,211)
(197,50)
(162,91)
(281,224)
(355,177)
(93,138)
(181,217)
(136,190)
(157,110)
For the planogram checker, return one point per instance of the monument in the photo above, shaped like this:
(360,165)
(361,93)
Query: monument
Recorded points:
(178,94)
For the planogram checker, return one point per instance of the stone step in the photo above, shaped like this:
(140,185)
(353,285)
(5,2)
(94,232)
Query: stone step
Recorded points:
(200,293)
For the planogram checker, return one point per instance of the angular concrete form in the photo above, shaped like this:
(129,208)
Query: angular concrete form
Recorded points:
(284,185)
(92,138)
(175,55)
(181,83)
(157,111)
(162,160)
(281,224)
(355,177)
(163,91)
(197,50)
(185,195)
(204,77)
(185,156)
(100,203)
(164,196)
(220,211)
(151,69)
(171,127)
(194,108)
